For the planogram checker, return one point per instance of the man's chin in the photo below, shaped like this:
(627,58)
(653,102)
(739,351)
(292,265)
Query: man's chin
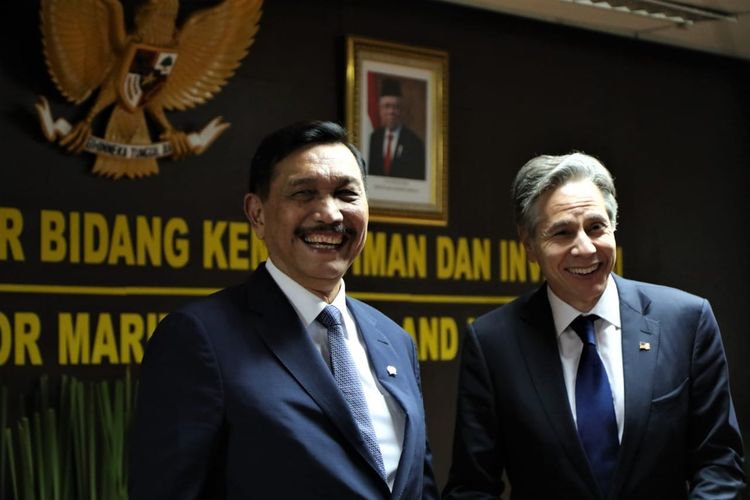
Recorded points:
(323,281)
(330,270)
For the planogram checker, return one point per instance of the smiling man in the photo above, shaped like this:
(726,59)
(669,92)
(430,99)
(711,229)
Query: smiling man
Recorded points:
(283,387)
(592,386)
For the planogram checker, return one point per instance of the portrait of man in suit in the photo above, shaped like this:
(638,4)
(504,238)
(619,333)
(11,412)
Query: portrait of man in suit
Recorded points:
(283,386)
(592,386)
(394,149)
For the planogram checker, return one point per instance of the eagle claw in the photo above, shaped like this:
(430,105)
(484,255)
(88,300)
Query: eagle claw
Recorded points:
(179,142)
(75,140)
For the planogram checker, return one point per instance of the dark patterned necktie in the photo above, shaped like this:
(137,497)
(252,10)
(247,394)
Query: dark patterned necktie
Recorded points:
(595,412)
(347,379)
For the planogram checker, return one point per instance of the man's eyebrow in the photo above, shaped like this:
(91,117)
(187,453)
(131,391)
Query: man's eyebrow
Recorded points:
(596,217)
(559,224)
(304,181)
(300,181)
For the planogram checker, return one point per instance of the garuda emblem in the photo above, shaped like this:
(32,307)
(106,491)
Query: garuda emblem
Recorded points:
(155,67)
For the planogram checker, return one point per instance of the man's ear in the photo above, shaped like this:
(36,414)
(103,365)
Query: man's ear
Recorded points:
(527,242)
(254,212)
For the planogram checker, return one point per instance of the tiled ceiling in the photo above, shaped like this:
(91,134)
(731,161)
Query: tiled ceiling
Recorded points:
(728,33)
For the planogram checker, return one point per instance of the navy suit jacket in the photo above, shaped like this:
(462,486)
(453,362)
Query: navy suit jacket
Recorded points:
(680,437)
(235,401)
(408,158)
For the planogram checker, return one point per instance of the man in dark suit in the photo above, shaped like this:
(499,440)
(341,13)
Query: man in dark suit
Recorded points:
(283,387)
(395,151)
(592,386)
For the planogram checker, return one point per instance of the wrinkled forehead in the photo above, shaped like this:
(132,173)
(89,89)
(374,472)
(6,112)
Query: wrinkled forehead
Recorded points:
(577,194)
(576,198)
(319,162)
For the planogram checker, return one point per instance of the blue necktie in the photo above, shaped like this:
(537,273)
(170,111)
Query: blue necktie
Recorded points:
(347,380)
(595,412)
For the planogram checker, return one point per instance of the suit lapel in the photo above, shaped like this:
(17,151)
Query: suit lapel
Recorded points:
(381,354)
(382,357)
(638,366)
(542,356)
(278,325)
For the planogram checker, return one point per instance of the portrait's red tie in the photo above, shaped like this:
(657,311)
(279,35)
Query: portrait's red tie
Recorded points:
(388,159)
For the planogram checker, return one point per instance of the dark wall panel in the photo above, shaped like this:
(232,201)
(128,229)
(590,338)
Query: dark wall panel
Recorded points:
(673,126)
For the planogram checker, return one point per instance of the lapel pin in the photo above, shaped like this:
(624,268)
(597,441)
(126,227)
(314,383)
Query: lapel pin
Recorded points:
(391,370)
(644,346)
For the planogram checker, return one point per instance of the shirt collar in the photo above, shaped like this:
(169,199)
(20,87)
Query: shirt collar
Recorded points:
(607,308)
(305,303)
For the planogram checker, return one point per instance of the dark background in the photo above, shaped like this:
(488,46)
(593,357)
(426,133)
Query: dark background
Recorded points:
(672,125)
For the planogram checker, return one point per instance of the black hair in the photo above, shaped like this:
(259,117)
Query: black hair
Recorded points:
(285,141)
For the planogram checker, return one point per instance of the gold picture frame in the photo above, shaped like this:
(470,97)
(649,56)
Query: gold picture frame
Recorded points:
(403,89)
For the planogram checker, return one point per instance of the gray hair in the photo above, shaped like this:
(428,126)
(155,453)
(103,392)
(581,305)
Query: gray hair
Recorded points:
(546,172)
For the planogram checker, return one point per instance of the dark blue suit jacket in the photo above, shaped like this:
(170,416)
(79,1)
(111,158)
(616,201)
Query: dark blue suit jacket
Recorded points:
(235,401)
(680,437)
(408,157)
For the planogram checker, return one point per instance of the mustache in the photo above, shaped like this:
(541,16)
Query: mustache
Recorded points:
(333,228)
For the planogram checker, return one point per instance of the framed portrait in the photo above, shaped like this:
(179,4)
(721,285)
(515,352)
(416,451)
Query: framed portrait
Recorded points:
(396,113)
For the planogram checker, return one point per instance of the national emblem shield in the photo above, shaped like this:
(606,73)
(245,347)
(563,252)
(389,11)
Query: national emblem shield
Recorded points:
(145,72)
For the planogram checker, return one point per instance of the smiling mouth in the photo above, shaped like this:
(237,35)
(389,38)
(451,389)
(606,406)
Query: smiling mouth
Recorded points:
(328,238)
(583,271)
(324,240)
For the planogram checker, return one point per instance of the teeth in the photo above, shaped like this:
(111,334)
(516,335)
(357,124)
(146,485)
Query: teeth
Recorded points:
(583,270)
(324,238)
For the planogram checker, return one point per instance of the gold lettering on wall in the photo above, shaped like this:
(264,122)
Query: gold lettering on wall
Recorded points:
(19,336)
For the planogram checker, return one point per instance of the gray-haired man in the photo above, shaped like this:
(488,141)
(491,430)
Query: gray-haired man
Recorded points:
(592,386)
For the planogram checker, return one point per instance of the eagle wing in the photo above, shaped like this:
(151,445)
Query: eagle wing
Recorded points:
(211,45)
(77,44)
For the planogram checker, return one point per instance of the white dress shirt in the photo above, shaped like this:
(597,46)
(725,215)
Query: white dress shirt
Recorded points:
(387,417)
(608,344)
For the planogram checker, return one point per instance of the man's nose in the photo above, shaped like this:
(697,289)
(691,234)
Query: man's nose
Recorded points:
(328,210)
(583,244)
